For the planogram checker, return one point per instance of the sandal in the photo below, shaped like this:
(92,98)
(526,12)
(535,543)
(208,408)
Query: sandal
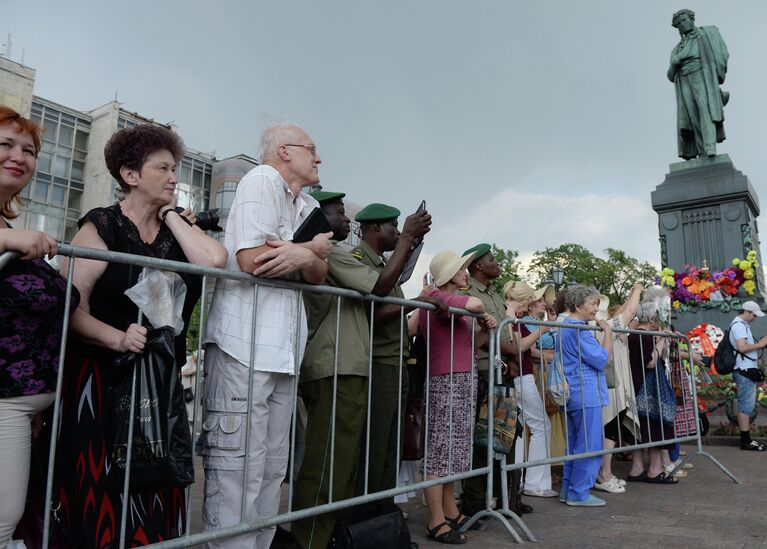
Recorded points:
(641,477)
(662,478)
(457,523)
(451,537)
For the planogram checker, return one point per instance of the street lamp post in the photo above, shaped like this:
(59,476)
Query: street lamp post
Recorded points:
(557,276)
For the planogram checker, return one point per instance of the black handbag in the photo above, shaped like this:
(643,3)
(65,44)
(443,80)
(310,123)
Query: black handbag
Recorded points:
(413,430)
(162,443)
(372,529)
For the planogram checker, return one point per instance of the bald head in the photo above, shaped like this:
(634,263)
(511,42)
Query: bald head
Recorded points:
(275,136)
(290,150)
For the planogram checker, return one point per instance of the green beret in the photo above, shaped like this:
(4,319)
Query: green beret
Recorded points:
(479,250)
(376,212)
(324,197)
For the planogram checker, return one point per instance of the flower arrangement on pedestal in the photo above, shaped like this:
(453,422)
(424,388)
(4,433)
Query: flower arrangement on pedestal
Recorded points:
(697,287)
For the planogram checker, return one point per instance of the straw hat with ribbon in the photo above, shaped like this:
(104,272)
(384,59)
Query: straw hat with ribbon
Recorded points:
(547,293)
(519,290)
(445,265)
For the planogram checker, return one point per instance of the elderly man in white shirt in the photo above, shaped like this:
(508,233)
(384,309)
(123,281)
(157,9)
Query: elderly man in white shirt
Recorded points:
(268,207)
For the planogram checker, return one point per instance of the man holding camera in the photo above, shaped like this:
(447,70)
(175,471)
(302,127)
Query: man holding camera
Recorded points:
(747,374)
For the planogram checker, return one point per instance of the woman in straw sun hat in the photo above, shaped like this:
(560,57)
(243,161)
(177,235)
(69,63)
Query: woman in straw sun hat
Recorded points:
(519,296)
(451,389)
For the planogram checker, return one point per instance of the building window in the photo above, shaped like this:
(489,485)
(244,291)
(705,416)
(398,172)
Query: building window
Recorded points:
(54,195)
(225,197)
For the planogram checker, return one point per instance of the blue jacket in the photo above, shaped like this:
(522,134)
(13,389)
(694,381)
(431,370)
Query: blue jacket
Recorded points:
(588,387)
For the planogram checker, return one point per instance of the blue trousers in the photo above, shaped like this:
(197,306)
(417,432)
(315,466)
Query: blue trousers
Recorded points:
(673,454)
(580,474)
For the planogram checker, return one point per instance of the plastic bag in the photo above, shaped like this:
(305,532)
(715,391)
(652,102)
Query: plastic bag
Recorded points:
(556,383)
(162,444)
(160,296)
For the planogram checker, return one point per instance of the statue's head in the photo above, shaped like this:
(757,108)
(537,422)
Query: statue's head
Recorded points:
(684,20)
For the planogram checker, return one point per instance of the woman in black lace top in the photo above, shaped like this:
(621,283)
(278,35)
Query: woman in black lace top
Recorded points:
(143,160)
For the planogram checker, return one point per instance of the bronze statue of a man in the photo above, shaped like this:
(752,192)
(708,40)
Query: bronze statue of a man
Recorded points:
(698,66)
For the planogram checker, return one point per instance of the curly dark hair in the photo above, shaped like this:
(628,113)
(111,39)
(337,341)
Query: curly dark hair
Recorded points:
(131,147)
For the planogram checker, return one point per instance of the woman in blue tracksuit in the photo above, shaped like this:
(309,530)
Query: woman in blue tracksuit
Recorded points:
(584,360)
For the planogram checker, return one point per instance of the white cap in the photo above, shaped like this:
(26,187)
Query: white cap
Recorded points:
(752,307)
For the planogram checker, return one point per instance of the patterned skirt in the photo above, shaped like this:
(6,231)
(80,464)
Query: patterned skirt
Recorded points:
(89,499)
(450,424)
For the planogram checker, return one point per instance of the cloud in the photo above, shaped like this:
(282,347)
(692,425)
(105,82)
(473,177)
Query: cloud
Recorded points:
(527,222)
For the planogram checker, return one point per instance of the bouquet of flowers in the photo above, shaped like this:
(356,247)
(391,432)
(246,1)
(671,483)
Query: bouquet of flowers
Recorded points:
(696,286)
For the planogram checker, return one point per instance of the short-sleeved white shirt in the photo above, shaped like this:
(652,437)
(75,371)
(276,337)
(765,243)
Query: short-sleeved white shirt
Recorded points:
(740,329)
(264,209)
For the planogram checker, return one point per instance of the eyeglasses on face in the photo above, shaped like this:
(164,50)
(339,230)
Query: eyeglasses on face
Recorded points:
(311,148)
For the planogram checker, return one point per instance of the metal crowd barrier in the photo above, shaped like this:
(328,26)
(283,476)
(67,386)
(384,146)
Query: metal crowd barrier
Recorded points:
(503,514)
(637,443)
(189,539)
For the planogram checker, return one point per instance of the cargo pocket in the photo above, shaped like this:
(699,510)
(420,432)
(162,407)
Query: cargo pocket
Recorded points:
(211,507)
(224,446)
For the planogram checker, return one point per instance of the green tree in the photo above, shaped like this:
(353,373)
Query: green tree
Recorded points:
(577,262)
(613,276)
(193,331)
(625,271)
(507,261)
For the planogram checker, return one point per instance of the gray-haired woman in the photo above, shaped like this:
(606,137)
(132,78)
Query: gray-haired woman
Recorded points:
(655,398)
(583,361)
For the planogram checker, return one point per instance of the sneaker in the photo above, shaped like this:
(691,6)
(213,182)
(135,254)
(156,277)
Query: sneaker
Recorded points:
(754,446)
(610,486)
(541,493)
(591,501)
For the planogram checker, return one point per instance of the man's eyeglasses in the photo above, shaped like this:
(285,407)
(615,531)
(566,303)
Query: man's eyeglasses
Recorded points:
(311,148)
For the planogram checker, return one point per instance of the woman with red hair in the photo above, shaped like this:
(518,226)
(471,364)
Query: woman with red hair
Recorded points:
(31,318)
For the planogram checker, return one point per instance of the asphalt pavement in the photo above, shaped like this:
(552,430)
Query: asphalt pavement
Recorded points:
(704,510)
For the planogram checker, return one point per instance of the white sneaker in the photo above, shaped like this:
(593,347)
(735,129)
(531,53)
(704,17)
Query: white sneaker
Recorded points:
(541,493)
(610,486)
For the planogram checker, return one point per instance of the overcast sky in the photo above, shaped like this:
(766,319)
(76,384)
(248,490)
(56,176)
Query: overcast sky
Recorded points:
(528,124)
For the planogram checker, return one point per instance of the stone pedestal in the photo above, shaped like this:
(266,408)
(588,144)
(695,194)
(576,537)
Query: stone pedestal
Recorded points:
(707,212)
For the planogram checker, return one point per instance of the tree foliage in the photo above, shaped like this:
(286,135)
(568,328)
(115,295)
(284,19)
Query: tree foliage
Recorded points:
(507,261)
(613,276)
(193,331)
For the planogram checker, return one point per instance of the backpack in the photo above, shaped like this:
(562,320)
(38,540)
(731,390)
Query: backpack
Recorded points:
(725,355)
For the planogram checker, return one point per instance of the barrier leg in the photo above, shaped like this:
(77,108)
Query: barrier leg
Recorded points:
(701,452)
(505,509)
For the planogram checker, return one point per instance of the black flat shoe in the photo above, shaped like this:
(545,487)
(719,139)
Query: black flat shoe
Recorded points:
(525,509)
(663,478)
(641,477)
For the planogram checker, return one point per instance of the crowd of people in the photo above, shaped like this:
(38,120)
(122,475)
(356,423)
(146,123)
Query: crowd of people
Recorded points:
(348,356)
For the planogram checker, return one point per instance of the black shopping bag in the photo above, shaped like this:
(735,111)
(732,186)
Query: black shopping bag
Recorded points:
(162,445)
